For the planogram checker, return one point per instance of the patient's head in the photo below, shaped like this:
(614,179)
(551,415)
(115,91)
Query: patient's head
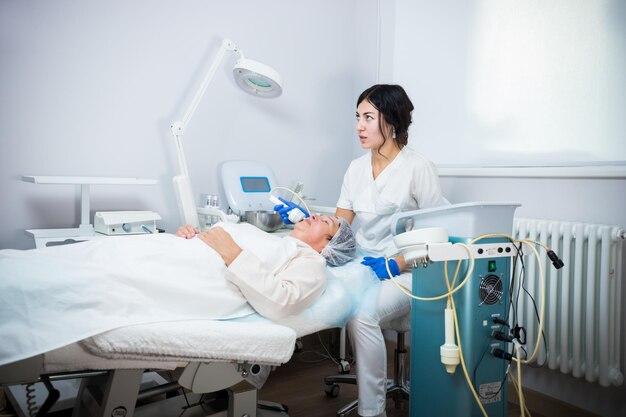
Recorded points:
(332,237)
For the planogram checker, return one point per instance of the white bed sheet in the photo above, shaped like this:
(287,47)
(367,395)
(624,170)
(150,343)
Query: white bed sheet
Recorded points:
(187,336)
(250,338)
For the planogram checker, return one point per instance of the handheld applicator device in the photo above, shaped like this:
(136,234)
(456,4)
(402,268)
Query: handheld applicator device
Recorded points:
(295,215)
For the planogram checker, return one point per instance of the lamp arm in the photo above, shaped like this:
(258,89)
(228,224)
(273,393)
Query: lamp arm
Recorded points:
(182,183)
(180,154)
(179,127)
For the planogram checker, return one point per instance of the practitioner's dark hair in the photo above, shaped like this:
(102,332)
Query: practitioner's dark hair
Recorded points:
(395,108)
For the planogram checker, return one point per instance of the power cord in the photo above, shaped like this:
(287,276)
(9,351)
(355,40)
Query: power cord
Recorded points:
(408,293)
(458,334)
(300,199)
(326,355)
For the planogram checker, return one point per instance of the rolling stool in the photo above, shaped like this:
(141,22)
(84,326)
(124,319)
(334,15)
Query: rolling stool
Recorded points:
(398,387)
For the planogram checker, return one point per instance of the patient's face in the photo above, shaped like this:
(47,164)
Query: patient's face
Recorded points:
(316,230)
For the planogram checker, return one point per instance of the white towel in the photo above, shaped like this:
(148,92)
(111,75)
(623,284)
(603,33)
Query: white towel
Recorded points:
(261,342)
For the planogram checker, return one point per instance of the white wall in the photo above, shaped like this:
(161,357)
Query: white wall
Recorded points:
(90,88)
(545,87)
(515,83)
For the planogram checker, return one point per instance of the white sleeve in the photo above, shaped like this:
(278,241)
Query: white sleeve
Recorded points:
(295,287)
(427,186)
(345,199)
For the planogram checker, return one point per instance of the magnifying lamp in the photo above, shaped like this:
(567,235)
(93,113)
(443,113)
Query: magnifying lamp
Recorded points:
(252,77)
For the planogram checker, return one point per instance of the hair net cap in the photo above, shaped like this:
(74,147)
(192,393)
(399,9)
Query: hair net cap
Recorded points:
(342,247)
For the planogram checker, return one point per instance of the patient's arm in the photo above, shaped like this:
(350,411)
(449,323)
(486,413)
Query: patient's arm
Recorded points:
(216,237)
(187,231)
(296,285)
(221,241)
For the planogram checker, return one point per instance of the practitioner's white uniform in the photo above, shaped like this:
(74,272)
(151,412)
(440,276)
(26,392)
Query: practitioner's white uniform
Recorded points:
(409,182)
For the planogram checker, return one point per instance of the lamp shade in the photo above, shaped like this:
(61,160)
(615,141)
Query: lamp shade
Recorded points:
(257,79)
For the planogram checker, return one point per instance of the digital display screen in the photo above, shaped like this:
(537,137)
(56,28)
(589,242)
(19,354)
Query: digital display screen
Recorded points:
(255,184)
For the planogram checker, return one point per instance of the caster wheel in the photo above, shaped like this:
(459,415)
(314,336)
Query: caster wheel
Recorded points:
(343,367)
(332,390)
(299,345)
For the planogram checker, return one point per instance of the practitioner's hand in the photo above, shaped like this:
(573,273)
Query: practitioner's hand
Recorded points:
(187,231)
(222,243)
(286,207)
(380,268)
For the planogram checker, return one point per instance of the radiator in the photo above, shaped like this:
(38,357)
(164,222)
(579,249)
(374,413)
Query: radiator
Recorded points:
(583,299)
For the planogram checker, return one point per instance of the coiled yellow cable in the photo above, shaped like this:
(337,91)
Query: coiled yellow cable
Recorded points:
(452,290)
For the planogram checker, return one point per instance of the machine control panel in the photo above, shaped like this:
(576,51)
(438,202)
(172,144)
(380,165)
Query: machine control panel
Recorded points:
(247,185)
(450,252)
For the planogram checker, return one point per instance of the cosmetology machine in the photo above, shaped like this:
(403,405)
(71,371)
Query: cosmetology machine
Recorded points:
(480,288)
(249,188)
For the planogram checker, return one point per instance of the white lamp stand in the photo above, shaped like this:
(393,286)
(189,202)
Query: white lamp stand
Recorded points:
(251,76)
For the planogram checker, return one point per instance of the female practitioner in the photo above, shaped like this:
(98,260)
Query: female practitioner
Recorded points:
(389,179)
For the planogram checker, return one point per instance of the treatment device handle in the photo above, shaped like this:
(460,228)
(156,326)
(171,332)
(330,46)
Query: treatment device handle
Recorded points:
(449,351)
(294,215)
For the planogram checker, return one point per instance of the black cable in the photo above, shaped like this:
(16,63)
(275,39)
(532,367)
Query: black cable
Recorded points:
(516,330)
(495,394)
(323,356)
(534,303)
(485,350)
(514,299)
(186,399)
(520,285)
(543,336)
(525,353)
(503,323)
(519,333)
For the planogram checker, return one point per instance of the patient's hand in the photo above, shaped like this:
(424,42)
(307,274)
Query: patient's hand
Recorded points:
(187,231)
(222,243)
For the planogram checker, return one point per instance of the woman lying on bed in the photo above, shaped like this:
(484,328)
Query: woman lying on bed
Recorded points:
(283,288)
(58,295)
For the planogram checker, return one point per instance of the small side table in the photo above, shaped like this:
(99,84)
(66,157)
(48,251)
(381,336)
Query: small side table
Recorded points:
(85,231)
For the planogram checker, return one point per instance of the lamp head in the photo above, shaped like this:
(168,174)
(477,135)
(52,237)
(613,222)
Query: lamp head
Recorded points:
(257,79)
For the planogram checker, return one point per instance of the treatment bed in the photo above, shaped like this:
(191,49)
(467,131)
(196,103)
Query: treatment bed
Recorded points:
(206,355)
(227,358)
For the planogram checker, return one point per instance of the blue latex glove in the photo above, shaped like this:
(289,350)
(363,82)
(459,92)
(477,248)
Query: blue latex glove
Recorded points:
(286,207)
(379,267)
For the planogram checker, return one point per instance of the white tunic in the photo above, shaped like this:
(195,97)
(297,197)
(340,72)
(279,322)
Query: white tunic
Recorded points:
(409,182)
(277,276)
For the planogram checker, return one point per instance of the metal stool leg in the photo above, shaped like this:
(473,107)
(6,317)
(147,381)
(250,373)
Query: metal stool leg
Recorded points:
(397,388)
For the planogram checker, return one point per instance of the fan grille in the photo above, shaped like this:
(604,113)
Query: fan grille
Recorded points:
(490,290)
